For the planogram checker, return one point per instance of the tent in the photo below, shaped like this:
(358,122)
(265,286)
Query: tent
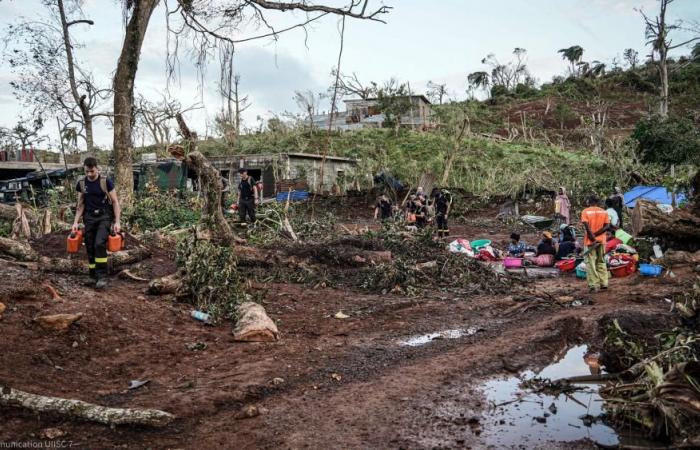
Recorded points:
(658,194)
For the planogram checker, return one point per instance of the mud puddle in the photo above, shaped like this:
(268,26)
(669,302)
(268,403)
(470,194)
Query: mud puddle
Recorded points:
(422,339)
(519,416)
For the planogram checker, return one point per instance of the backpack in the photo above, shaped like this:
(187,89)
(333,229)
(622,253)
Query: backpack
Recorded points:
(103,186)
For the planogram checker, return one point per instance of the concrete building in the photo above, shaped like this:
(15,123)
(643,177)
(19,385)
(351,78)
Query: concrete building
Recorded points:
(365,113)
(301,171)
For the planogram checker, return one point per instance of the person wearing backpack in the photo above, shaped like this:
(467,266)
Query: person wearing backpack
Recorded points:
(99,208)
(247,196)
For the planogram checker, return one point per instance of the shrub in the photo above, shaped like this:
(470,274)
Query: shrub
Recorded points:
(674,140)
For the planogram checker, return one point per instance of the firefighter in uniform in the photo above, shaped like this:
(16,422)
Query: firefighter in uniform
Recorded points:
(99,208)
(442,210)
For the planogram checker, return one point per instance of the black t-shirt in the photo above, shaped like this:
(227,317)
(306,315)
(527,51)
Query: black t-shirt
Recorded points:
(441,204)
(384,208)
(93,195)
(546,248)
(246,187)
(566,248)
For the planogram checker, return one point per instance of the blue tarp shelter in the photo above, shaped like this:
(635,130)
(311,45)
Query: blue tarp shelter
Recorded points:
(658,194)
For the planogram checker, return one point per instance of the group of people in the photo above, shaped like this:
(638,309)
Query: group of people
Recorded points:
(599,225)
(418,210)
(559,248)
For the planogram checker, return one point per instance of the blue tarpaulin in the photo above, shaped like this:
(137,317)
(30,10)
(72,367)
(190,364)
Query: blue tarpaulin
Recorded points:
(658,194)
(295,196)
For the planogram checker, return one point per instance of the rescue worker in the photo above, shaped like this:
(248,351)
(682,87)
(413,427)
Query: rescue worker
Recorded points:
(99,208)
(383,208)
(443,202)
(247,196)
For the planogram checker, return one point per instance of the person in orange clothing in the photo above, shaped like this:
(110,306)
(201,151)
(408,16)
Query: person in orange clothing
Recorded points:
(596,222)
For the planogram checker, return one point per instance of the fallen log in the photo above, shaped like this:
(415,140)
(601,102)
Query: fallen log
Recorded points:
(678,226)
(77,409)
(18,250)
(168,284)
(680,258)
(9,212)
(24,252)
(254,325)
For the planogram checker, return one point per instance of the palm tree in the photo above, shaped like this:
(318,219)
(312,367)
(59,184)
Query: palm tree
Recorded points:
(479,80)
(572,54)
(595,70)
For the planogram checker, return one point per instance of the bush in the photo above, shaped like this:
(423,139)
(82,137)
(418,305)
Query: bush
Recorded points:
(155,209)
(674,140)
(212,282)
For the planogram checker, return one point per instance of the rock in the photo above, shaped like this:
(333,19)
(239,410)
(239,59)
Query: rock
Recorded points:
(541,419)
(51,433)
(254,325)
(75,344)
(341,315)
(58,322)
(277,381)
(248,412)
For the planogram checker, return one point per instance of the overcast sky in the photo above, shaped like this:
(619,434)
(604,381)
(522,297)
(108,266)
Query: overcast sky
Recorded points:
(439,40)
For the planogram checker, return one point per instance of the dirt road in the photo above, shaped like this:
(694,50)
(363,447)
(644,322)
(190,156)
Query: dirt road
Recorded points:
(328,383)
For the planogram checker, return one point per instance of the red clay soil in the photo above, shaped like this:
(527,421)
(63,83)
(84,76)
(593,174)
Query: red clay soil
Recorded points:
(328,383)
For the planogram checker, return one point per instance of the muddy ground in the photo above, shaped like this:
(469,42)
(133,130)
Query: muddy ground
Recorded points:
(328,383)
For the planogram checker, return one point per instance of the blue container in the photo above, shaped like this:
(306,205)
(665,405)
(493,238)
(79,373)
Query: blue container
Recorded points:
(650,270)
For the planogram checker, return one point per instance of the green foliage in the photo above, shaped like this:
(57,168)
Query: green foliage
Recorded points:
(674,140)
(212,282)
(157,209)
(5,228)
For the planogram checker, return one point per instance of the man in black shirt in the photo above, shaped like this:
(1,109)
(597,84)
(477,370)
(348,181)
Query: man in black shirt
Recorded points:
(384,207)
(247,196)
(99,208)
(442,210)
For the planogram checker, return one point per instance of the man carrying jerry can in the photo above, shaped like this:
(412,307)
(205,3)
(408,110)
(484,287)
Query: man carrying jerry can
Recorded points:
(99,208)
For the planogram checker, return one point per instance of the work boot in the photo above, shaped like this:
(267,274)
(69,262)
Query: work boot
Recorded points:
(101,283)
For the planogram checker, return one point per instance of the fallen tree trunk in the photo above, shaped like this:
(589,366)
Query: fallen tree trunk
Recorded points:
(18,250)
(24,252)
(79,265)
(680,226)
(168,284)
(78,409)
(254,325)
(9,212)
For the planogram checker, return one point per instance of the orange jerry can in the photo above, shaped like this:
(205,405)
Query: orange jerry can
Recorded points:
(74,241)
(115,242)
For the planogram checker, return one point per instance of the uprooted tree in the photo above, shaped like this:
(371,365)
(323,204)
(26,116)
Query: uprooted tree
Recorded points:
(208,24)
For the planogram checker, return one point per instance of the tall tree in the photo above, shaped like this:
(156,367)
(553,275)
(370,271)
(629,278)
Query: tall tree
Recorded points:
(658,37)
(207,24)
(49,76)
(631,57)
(308,102)
(436,92)
(479,80)
(350,85)
(573,54)
(511,73)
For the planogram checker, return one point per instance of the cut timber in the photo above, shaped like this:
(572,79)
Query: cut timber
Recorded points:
(24,252)
(254,325)
(18,250)
(168,284)
(679,226)
(78,409)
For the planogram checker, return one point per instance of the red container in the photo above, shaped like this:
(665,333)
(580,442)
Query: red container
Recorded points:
(115,242)
(566,265)
(74,242)
(623,270)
